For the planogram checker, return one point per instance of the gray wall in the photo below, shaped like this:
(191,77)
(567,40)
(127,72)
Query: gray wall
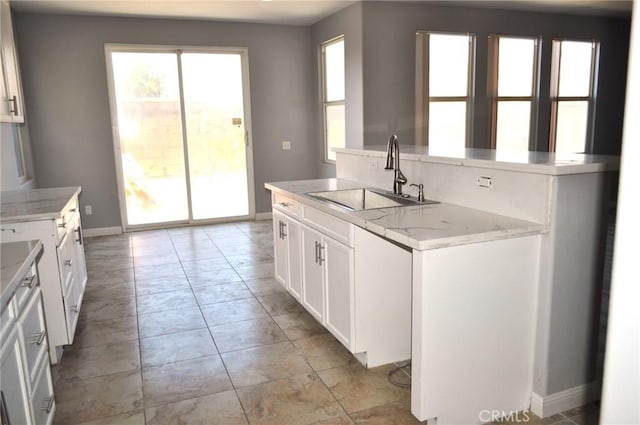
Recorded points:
(347,22)
(389,64)
(65,84)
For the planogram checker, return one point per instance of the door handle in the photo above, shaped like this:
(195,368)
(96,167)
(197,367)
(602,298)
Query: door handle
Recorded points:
(14,101)
(320,257)
(284,234)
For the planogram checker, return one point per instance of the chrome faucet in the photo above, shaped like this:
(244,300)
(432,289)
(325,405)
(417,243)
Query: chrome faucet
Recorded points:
(398,178)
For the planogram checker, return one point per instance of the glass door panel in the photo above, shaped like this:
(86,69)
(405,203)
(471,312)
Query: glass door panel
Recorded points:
(214,115)
(149,128)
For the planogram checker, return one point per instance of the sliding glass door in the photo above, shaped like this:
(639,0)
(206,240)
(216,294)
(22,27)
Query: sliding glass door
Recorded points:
(180,134)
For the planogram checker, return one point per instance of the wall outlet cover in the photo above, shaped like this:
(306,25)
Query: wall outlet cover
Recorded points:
(286,145)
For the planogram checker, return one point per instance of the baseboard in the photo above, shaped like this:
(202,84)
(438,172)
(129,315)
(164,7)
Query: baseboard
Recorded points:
(264,216)
(101,231)
(548,405)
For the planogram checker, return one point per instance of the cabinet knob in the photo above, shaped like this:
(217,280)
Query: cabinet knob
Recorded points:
(75,309)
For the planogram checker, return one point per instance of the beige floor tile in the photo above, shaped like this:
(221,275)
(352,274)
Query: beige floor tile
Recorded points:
(265,286)
(299,324)
(281,303)
(239,248)
(176,347)
(131,418)
(246,334)
(262,364)
(110,276)
(163,301)
(200,254)
(324,352)
(530,418)
(258,271)
(82,400)
(167,259)
(207,265)
(341,420)
(213,277)
(93,310)
(184,380)
(216,409)
(213,294)
(155,286)
(233,311)
(170,321)
(244,260)
(95,267)
(161,271)
(89,362)
(89,334)
(358,388)
(111,253)
(300,400)
(390,414)
(108,290)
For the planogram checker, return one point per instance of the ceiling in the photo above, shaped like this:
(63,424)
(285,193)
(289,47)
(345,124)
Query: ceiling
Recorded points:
(290,12)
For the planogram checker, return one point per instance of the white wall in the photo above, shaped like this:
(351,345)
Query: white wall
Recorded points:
(621,391)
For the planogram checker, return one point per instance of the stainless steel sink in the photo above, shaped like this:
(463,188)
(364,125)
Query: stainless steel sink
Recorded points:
(366,199)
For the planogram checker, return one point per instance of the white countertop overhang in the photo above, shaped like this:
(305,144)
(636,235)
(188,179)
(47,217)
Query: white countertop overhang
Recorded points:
(16,259)
(35,204)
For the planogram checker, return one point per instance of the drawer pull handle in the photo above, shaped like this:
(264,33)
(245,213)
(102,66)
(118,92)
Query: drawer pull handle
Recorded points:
(75,309)
(68,263)
(14,102)
(284,234)
(285,204)
(320,256)
(62,225)
(48,403)
(38,339)
(9,230)
(29,282)
(317,251)
(79,232)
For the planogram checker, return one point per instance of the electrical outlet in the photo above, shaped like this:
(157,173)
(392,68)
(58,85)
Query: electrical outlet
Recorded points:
(88,210)
(286,145)
(485,182)
(373,164)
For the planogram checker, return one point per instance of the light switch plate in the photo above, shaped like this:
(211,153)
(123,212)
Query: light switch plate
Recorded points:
(286,145)
(485,182)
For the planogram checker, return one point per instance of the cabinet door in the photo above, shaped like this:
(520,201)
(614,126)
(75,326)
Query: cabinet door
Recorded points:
(294,239)
(339,318)
(13,385)
(11,106)
(312,271)
(77,246)
(280,249)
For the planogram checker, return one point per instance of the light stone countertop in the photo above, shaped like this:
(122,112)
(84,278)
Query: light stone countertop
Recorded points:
(16,258)
(420,227)
(35,204)
(548,163)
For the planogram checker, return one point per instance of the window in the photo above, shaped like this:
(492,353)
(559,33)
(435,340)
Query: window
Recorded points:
(444,82)
(333,71)
(573,91)
(513,89)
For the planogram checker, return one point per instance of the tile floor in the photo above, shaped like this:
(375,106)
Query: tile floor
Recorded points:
(188,326)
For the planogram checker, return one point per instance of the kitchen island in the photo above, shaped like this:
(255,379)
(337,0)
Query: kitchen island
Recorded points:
(504,274)
(52,216)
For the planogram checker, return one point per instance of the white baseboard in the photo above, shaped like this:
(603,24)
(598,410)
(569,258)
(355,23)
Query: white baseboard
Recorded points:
(102,231)
(264,216)
(548,405)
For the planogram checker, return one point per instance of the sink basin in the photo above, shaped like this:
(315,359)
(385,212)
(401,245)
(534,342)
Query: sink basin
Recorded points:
(365,199)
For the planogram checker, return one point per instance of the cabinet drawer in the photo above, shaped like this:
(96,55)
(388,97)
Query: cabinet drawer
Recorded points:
(285,205)
(29,281)
(43,400)
(65,262)
(34,332)
(72,302)
(338,229)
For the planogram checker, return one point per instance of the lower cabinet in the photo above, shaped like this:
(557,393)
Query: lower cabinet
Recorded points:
(15,394)
(355,283)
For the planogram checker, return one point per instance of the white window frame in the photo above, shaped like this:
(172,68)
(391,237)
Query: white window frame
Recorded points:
(423,99)
(492,88)
(590,98)
(325,103)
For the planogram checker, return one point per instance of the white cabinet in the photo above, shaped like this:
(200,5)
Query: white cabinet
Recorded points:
(63,270)
(353,282)
(25,378)
(11,101)
(288,267)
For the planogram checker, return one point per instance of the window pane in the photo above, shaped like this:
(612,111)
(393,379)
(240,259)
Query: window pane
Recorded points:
(334,71)
(447,125)
(575,68)
(335,129)
(513,125)
(515,66)
(448,65)
(571,130)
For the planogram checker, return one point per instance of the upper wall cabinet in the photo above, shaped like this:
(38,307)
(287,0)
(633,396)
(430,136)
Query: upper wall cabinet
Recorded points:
(11,104)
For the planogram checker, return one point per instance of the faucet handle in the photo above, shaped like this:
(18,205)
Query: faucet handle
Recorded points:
(420,191)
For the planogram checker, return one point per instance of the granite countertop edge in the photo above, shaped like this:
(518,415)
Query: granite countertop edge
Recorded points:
(52,213)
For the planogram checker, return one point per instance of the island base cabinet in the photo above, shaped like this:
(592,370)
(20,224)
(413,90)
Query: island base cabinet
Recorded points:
(287,252)
(339,291)
(313,273)
(13,385)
